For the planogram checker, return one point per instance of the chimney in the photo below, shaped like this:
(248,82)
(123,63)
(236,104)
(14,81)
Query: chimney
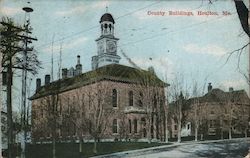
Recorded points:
(47,79)
(78,60)
(78,69)
(38,84)
(64,73)
(231,89)
(209,88)
(151,69)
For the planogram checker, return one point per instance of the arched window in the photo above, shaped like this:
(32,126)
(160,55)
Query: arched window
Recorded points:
(130,126)
(110,27)
(131,98)
(115,126)
(144,132)
(155,101)
(114,98)
(135,125)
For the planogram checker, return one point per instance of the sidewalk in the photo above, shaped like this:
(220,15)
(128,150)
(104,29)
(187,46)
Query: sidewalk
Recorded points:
(175,144)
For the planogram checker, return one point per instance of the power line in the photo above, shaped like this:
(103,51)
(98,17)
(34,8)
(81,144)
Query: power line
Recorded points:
(96,26)
(161,34)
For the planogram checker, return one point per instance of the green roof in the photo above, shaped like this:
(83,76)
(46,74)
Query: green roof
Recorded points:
(112,72)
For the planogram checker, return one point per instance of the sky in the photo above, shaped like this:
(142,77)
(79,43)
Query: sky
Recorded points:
(195,47)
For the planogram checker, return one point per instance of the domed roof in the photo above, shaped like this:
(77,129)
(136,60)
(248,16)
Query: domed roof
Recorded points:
(107,17)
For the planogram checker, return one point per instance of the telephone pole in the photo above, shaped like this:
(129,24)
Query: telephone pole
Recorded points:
(26,40)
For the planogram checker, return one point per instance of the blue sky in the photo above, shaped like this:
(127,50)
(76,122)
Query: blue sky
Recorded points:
(195,46)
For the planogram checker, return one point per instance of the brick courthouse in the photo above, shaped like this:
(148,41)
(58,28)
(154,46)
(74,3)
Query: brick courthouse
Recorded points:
(111,102)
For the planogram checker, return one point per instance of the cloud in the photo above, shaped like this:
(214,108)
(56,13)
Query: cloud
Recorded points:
(75,43)
(10,11)
(162,65)
(82,8)
(71,11)
(100,4)
(211,49)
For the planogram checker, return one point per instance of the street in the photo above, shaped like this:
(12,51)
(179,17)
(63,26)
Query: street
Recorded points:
(226,149)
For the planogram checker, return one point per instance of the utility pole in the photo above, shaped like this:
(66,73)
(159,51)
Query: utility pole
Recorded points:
(26,40)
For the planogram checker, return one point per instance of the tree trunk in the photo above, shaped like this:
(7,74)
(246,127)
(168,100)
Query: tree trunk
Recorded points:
(166,130)
(54,147)
(95,146)
(149,129)
(196,133)
(179,123)
(246,133)
(80,145)
(9,110)
(230,133)
(179,132)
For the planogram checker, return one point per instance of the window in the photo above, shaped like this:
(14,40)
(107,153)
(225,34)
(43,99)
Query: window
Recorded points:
(130,126)
(155,101)
(131,99)
(135,125)
(140,99)
(175,127)
(42,113)
(144,132)
(74,100)
(60,106)
(212,123)
(110,27)
(115,126)
(114,98)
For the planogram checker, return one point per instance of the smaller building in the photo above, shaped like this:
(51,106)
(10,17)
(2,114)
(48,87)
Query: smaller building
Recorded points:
(217,113)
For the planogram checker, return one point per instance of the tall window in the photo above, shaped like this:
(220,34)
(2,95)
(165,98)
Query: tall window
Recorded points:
(83,100)
(115,126)
(130,126)
(155,101)
(114,98)
(212,123)
(131,98)
(135,125)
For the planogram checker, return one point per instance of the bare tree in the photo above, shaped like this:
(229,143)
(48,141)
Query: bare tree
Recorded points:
(148,92)
(98,118)
(235,113)
(178,107)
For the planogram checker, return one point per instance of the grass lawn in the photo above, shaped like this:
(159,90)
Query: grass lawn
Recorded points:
(71,150)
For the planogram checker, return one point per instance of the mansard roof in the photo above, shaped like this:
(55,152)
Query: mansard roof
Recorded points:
(112,72)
